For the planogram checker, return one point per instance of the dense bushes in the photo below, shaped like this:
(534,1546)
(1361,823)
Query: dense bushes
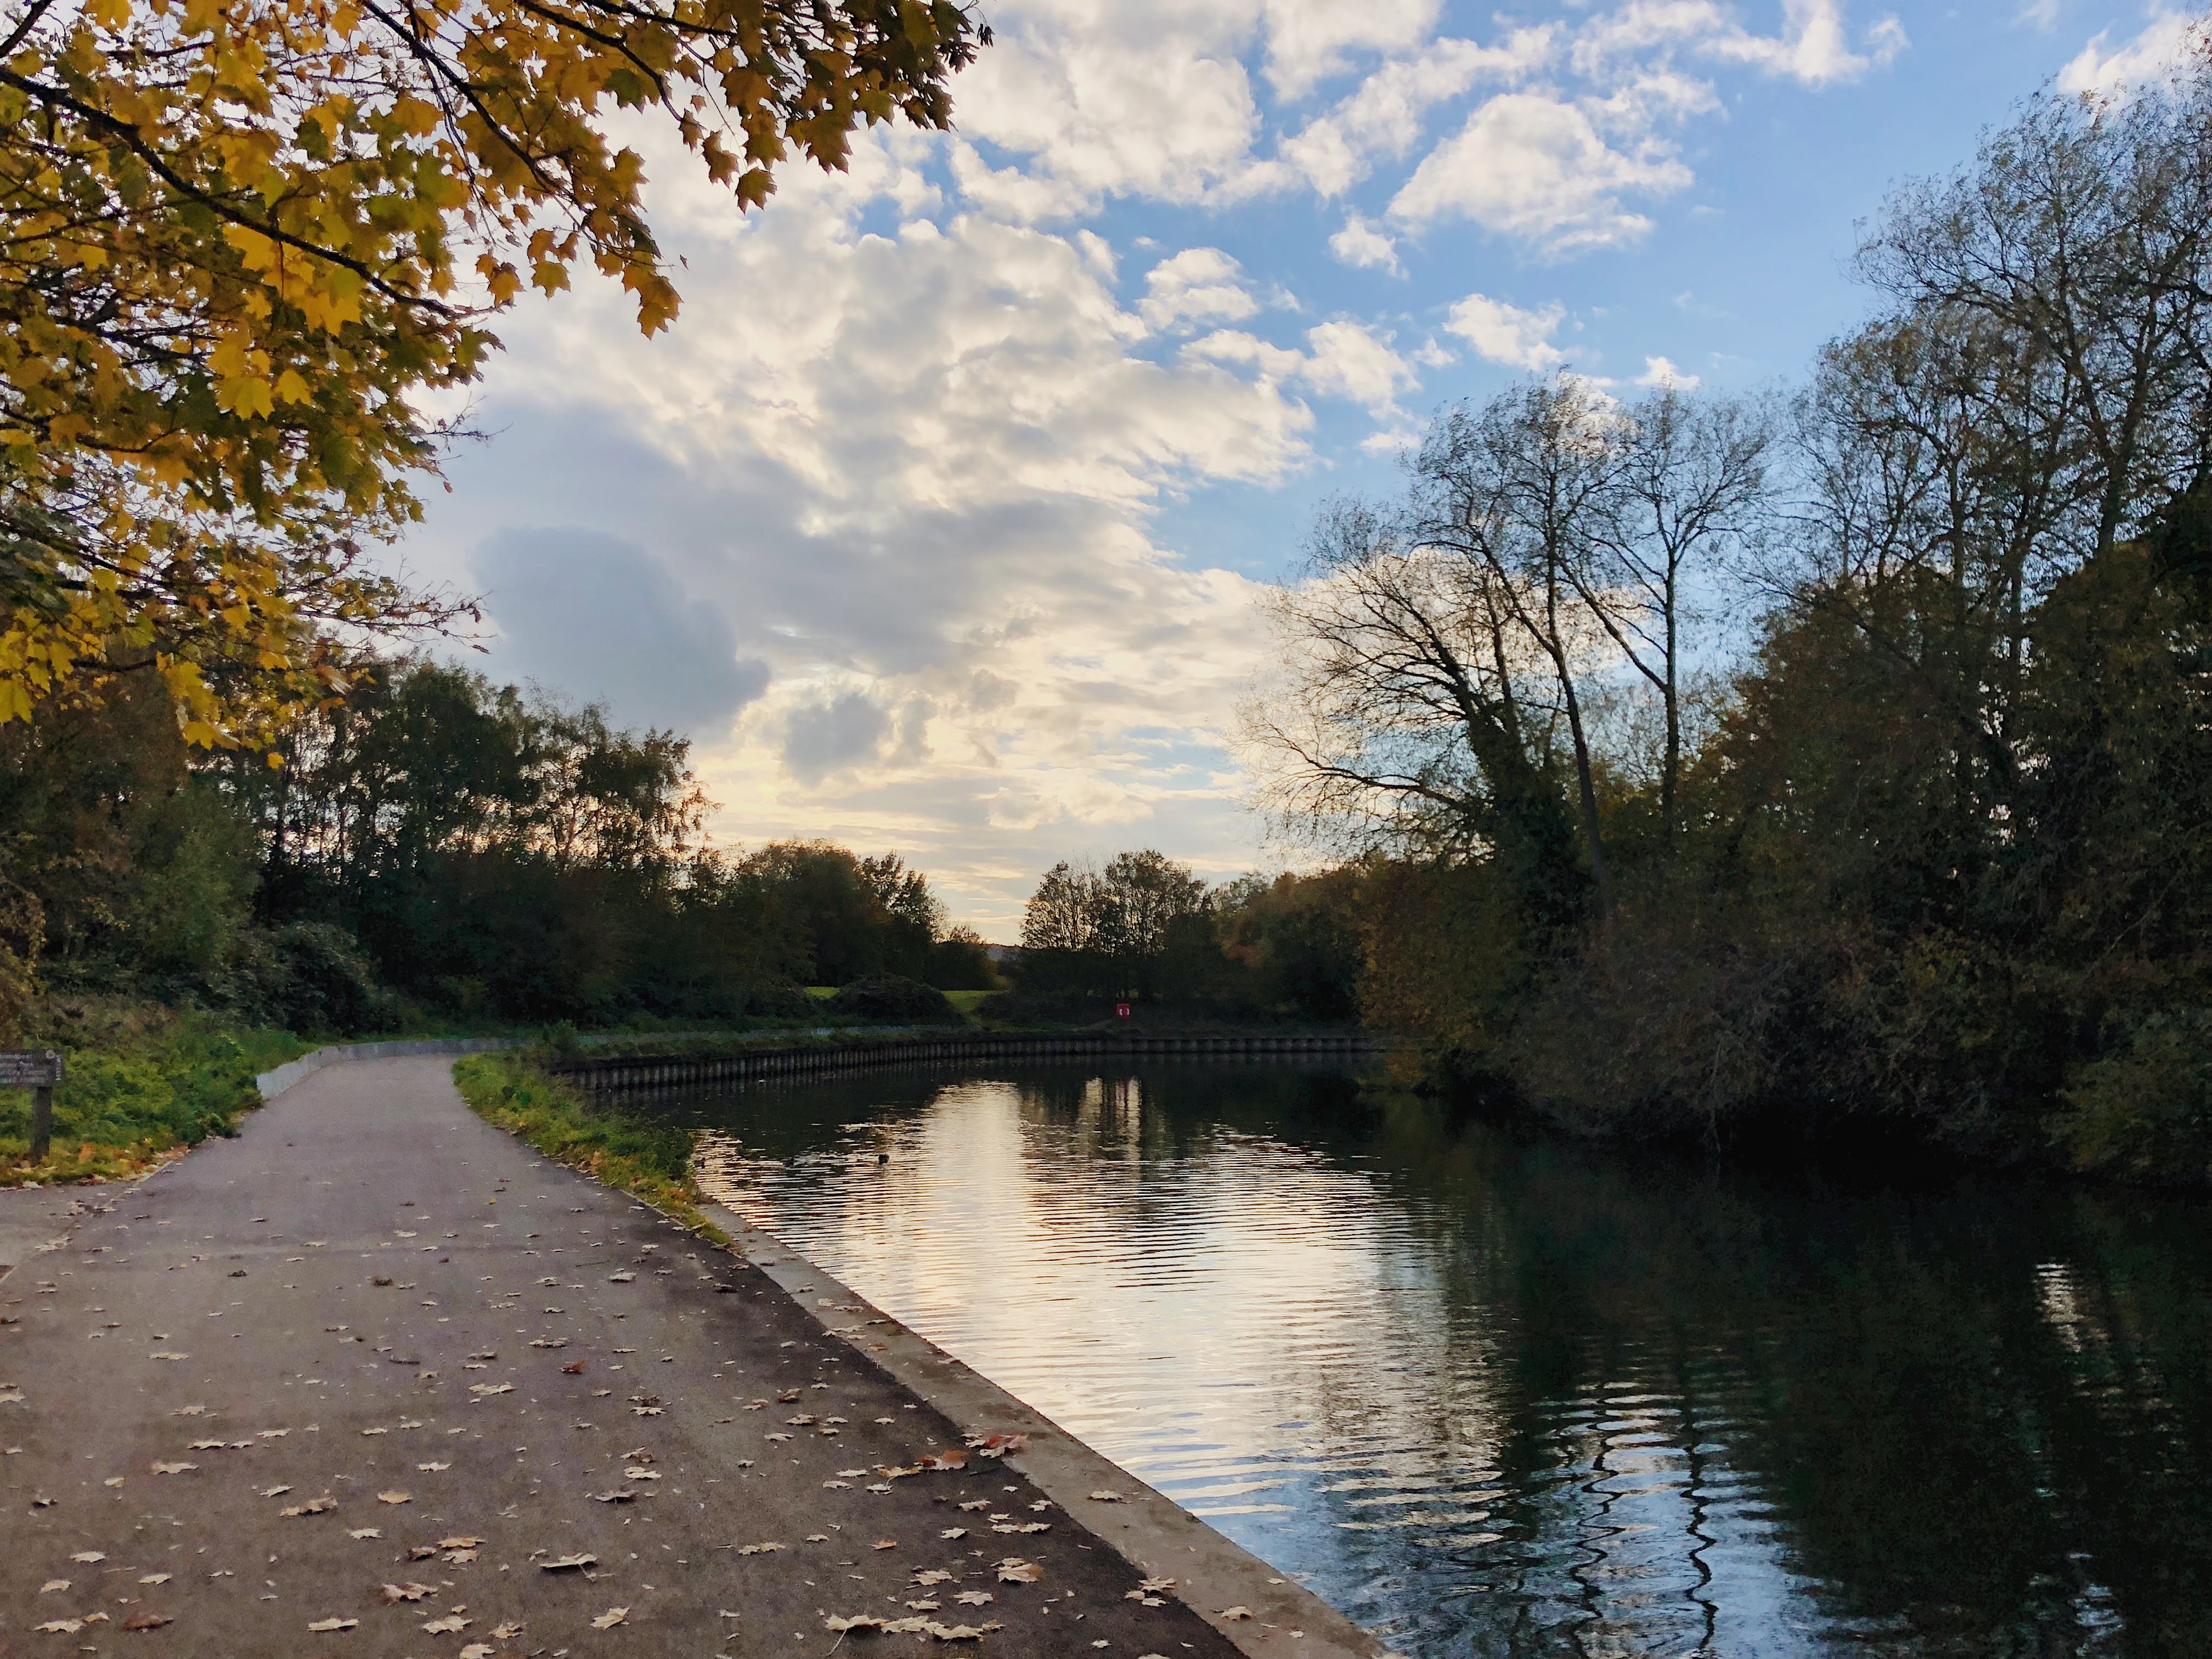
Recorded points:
(891,998)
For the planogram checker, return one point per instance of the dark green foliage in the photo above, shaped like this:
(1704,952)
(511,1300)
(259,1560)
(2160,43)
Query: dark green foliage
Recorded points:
(890,998)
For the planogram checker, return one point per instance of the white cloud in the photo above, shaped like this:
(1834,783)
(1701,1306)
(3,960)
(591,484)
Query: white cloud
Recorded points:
(1384,116)
(1309,40)
(1813,46)
(1507,334)
(1360,244)
(1351,360)
(1198,285)
(1343,359)
(1120,100)
(2039,14)
(1535,168)
(2147,56)
(1662,372)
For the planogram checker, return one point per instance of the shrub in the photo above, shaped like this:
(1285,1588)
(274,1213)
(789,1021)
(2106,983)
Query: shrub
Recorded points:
(905,1001)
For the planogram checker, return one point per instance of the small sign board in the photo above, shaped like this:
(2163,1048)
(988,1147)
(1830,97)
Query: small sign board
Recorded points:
(1120,1010)
(34,1068)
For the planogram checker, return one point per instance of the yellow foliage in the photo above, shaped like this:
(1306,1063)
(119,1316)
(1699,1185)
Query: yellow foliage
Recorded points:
(234,231)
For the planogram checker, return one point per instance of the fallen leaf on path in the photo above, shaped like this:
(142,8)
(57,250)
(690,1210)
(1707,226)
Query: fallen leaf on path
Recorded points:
(611,1618)
(321,1625)
(395,1497)
(366,1532)
(446,1626)
(949,1460)
(173,1468)
(758,1549)
(485,1390)
(977,1504)
(924,1606)
(459,1543)
(1015,1570)
(476,1650)
(155,1578)
(432,1468)
(1105,1497)
(958,1632)
(574,1368)
(407,1592)
(885,1544)
(165,1353)
(86,1558)
(61,1626)
(1025,1526)
(1153,1586)
(147,1621)
(1235,1614)
(835,1625)
(954,1532)
(322,1505)
(113,1480)
(506,1633)
(458,1558)
(274,1492)
(619,1495)
(929,1576)
(53,1584)
(973,1598)
(567,1562)
(549,1341)
(620,1279)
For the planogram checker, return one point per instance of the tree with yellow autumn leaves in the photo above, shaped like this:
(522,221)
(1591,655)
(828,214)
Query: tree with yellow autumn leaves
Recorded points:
(245,240)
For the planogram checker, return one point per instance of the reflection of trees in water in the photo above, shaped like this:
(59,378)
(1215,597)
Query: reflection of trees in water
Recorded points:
(1634,1405)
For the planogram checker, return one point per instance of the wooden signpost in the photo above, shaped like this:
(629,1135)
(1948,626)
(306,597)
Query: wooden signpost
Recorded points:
(38,1070)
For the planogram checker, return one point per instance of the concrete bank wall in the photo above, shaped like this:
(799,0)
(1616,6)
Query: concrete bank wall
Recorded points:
(814,1060)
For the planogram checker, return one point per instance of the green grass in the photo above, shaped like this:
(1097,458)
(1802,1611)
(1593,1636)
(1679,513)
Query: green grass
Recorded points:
(651,1161)
(966,1001)
(140,1084)
(822,993)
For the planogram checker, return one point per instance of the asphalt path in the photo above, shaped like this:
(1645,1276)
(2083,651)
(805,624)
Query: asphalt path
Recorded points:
(375,1378)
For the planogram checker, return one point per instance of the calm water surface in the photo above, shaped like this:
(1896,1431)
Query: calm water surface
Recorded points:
(1497,1397)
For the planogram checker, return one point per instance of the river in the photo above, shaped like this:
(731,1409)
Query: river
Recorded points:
(1497,1395)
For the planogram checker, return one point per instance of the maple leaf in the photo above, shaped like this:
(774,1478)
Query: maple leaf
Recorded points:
(611,1618)
(452,1623)
(1015,1570)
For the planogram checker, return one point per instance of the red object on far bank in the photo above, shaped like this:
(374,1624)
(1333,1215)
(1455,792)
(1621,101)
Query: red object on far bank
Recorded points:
(1120,1010)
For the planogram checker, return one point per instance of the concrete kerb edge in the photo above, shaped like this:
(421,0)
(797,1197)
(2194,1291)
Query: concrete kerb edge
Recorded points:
(1147,1528)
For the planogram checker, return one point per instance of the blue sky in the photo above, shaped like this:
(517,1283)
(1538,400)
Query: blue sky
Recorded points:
(939,520)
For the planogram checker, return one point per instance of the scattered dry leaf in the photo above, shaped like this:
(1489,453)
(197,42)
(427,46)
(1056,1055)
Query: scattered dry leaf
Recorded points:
(973,1598)
(1235,1615)
(322,1625)
(138,1621)
(567,1562)
(611,1618)
(451,1625)
(395,1497)
(1015,1570)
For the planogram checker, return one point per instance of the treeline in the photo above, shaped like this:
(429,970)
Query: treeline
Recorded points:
(1143,928)
(430,846)
(1818,766)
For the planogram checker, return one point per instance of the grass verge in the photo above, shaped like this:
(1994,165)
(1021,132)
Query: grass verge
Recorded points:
(651,1161)
(140,1085)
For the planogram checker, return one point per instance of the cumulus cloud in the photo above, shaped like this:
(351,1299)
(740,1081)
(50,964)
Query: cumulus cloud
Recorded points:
(1198,285)
(1309,40)
(1662,372)
(1506,334)
(2148,55)
(1360,244)
(1343,359)
(1535,168)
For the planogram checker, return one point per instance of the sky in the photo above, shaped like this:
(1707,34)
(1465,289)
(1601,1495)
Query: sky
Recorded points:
(938,520)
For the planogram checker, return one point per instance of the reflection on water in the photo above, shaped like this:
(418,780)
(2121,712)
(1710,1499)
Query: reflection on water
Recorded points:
(1492,1397)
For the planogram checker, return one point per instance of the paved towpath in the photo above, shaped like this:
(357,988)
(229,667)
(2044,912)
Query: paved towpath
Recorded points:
(357,1382)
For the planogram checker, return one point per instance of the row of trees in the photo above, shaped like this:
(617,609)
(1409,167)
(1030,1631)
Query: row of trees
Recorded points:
(430,839)
(1798,763)
(1144,926)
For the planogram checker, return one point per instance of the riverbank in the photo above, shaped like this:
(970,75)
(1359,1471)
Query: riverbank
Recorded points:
(240,1468)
